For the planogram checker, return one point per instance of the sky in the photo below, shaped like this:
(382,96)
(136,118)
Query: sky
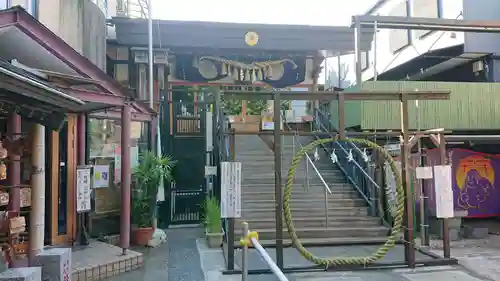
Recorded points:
(312,12)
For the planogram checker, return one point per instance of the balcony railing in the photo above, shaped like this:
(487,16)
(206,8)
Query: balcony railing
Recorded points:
(132,8)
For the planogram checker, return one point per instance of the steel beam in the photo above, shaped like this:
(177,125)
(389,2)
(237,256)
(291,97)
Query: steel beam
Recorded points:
(361,95)
(433,24)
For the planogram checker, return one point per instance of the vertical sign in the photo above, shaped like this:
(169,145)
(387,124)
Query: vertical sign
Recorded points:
(443,191)
(118,164)
(83,189)
(230,189)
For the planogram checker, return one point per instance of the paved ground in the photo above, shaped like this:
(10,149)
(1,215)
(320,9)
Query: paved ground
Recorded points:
(185,257)
(212,263)
(177,260)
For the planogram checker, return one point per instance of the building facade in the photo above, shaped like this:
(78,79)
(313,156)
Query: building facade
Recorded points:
(63,44)
(396,48)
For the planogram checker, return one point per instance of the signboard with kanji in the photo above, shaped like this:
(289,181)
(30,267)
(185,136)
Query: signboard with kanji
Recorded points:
(83,188)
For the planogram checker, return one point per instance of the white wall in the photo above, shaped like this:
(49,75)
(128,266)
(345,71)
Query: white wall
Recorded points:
(386,60)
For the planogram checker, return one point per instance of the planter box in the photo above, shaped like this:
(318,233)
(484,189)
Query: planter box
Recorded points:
(214,240)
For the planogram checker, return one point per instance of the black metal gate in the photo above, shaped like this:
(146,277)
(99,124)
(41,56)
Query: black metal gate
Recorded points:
(186,143)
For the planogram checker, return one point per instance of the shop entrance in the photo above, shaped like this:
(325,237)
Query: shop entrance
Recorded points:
(60,184)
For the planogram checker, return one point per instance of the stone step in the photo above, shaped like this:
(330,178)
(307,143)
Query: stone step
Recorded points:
(304,203)
(322,232)
(331,241)
(314,222)
(270,180)
(266,195)
(313,211)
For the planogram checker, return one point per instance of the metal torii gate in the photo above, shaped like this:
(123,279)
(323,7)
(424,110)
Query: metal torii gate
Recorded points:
(415,23)
(278,96)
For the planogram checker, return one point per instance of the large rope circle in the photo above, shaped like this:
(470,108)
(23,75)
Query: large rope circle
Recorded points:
(398,217)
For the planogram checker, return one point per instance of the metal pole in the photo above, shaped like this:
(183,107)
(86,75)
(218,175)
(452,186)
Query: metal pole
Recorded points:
(326,208)
(277,180)
(230,221)
(244,255)
(125,178)
(375,71)
(446,229)
(150,51)
(357,52)
(405,178)
(424,202)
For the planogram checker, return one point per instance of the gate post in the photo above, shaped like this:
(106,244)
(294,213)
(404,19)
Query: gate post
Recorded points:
(230,221)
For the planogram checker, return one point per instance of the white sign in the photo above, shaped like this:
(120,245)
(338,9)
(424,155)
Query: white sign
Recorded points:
(101,176)
(443,191)
(230,205)
(83,189)
(423,172)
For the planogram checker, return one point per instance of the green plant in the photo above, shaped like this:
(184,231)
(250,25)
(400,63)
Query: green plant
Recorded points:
(211,216)
(146,179)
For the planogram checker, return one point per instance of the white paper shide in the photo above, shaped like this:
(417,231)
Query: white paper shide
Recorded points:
(230,189)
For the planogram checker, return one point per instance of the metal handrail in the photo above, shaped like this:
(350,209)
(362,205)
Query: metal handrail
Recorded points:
(252,240)
(355,162)
(370,196)
(308,159)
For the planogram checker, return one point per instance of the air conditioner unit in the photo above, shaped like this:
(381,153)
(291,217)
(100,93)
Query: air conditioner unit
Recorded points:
(141,57)
(160,58)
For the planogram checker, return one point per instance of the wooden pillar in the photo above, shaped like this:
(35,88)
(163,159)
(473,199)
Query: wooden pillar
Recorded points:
(125,178)
(405,181)
(37,214)
(14,166)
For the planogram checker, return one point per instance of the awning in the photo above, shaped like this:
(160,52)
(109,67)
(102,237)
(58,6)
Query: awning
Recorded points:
(288,39)
(24,38)
(34,99)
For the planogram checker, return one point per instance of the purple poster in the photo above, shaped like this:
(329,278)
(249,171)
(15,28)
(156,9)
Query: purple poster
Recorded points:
(475,181)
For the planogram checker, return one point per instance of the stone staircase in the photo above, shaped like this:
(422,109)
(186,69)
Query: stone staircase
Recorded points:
(348,220)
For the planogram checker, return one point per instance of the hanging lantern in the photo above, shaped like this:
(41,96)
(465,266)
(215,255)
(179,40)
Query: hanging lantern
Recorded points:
(3,171)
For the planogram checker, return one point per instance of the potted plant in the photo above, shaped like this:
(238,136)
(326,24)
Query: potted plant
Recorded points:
(213,223)
(146,178)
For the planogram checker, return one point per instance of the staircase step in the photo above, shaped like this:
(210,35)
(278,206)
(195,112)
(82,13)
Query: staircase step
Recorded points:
(314,222)
(299,202)
(322,232)
(332,241)
(313,211)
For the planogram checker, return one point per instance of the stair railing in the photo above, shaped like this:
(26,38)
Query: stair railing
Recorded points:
(351,160)
(308,162)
